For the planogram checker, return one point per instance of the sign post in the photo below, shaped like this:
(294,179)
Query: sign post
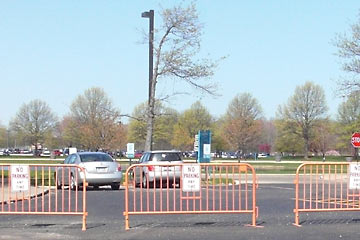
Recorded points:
(196,143)
(130,151)
(355,141)
(204,153)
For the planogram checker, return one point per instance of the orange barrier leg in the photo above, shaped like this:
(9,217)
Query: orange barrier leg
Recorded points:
(127,227)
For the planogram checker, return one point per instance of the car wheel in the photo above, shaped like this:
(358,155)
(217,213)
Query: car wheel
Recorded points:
(178,183)
(58,183)
(73,183)
(145,182)
(137,184)
(115,186)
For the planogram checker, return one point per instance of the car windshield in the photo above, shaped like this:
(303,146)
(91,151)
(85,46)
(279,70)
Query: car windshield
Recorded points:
(95,158)
(168,157)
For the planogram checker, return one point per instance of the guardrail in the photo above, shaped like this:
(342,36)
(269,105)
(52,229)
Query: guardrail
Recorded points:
(206,188)
(326,187)
(43,189)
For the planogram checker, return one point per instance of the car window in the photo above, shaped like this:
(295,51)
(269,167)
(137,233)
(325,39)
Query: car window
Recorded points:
(72,159)
(142,158)
(67,159)
(95,158)
(145,158)
(168,157)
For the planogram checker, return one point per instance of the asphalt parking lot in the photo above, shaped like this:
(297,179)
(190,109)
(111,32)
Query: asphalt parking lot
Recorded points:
(106,221)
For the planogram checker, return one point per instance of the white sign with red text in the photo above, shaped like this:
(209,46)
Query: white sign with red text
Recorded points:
(354,176)
(191,178)
(20,178)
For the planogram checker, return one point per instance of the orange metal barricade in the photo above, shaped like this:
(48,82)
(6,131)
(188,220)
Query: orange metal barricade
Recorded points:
(164,189)
(324,187)
(43,189)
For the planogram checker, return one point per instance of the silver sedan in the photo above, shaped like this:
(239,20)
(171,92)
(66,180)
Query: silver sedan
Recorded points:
(100,169)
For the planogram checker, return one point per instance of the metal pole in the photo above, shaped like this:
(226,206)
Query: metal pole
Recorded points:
(150,15)
(151,49)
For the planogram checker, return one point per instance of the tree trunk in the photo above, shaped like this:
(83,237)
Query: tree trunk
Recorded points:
(149,129)
(306,148)
(150,115)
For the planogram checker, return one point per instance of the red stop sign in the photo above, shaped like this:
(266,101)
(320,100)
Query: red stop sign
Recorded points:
(355,139)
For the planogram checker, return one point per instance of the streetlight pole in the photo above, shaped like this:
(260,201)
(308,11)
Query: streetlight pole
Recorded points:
(150,15)
(150,120)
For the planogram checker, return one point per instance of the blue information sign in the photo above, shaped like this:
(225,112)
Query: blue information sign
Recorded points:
(204,152)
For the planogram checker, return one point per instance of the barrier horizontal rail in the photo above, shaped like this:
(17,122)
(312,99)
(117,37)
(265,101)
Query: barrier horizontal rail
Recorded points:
(176,189)
(325,187)
(43,189)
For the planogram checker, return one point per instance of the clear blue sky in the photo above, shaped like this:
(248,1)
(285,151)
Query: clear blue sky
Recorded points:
(54,50)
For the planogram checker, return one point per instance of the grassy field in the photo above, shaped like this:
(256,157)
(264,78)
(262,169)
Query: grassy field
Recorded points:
(287,165)
(22,161)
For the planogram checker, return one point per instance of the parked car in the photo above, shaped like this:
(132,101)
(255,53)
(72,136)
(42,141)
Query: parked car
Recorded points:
(100,170)
(159,168)
(45,153)
(262,155)
(138,154)
(4,152)
(57,152)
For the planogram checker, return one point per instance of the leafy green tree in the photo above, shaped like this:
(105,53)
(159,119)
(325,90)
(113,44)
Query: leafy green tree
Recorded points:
(218,140)
(33,121)
(190,122)
(287,137)
(304,108)
(3,137)
(348,119)
(163,129)
(94,123)
(242,126)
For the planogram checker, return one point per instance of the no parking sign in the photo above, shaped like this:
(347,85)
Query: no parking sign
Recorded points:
(191,177)
(354,176)
(19,178)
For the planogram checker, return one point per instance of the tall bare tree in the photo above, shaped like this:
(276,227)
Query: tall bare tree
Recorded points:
(94,123)
(33,121)
(349,52)
(242,123)
(303,108)
(175,57)
(324,137)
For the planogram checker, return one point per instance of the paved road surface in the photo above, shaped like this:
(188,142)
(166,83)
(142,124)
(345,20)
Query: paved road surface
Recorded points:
(105,221)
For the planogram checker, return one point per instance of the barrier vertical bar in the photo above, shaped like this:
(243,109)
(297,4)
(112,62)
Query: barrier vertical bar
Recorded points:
(254,208)
(341,186)
(246,189)
(126,213)
(310,190)
(49,199)
(335,193)
(233,188)
(317,187)
(2,188)
(296,210)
